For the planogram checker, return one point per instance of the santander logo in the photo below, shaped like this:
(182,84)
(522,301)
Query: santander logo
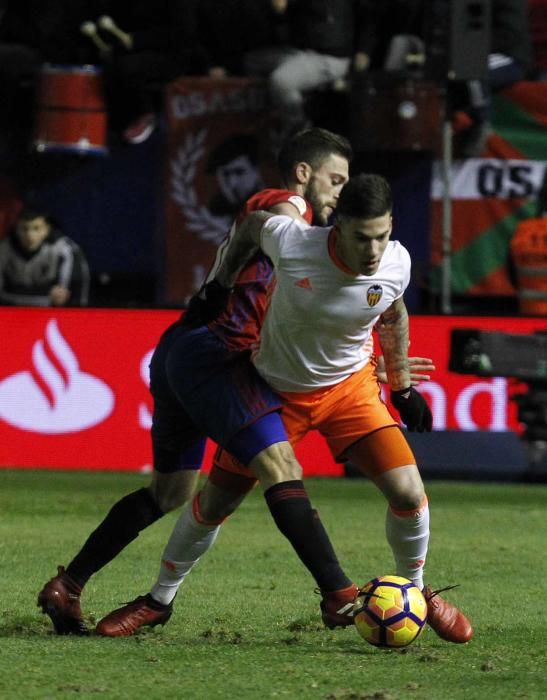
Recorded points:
(55,396)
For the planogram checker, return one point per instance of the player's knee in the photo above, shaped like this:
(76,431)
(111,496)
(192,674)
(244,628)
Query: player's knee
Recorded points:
(289,466)
(403,487)
(171,500)
(290,471)
(171,491)
(276,464)
(407,496)
(213,511)
(216,503)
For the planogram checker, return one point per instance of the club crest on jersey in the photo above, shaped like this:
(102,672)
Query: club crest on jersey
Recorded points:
(374,294)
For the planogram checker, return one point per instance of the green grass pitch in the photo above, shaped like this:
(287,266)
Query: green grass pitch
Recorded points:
(246,622)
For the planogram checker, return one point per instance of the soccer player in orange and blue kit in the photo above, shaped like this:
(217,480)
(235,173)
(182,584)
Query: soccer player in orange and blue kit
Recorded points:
(204,385)
(333,286)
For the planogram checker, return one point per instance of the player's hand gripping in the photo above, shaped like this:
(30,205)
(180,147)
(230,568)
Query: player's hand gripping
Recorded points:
(413,409)
(420,368)
(206,305)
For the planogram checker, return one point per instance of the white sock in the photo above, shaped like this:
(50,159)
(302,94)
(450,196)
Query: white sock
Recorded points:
(408,536)
(189,540)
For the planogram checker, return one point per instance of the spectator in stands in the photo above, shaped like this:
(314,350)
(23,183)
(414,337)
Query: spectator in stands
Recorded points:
(537,14)
(509,61)
(312,45)
(39,266)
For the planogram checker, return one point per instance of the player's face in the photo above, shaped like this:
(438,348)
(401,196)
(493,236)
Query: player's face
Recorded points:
(361,242)
(32,233)
(323,188)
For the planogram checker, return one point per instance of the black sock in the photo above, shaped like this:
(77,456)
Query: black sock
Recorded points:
(122,525)
(299,522)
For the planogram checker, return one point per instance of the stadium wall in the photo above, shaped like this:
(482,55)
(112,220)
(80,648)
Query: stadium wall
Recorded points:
(74,395)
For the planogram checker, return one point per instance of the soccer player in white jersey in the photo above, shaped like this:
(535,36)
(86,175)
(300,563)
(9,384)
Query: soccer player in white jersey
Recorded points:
(333,286)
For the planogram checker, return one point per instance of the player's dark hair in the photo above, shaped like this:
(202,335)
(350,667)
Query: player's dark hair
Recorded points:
(311,146)
(365,196)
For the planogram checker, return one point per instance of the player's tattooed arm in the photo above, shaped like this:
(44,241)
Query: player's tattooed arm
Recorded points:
(393,335)
(238,248)
(242,243)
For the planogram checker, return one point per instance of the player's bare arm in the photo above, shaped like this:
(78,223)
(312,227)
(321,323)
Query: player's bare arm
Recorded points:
(244,243)
(393,335)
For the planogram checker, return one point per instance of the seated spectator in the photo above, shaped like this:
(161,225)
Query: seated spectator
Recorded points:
(313,44)
(39,266)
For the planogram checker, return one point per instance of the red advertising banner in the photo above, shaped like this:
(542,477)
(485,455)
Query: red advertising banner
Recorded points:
(218,156)
(74,387)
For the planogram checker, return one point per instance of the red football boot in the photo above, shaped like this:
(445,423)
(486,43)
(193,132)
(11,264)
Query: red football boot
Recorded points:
(337,606)
(445,619)
(144,611)
(60,599)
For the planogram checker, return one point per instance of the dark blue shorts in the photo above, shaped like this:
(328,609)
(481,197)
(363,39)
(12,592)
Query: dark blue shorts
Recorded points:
(201,389)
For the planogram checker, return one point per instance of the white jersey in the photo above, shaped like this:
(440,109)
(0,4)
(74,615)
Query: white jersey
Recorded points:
(321,314)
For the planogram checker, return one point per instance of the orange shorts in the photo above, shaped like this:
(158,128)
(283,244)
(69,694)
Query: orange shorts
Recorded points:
(344,414)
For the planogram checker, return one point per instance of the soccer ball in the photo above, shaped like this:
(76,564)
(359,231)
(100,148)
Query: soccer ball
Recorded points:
(390,611)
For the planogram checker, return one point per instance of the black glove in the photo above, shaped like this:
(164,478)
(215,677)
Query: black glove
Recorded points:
(413,409)
(206,305)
